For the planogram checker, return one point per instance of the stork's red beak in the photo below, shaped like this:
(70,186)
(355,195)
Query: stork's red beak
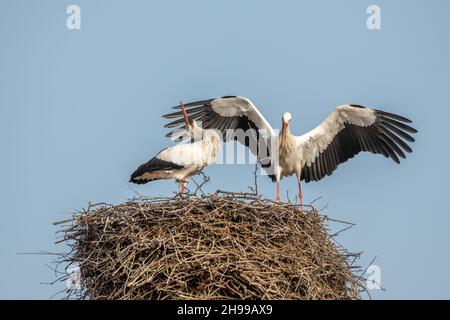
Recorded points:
(283,131)
(185,116)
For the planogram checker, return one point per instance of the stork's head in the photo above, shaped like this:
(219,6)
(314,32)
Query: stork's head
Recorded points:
(192,127)
(194,130)
(286,118)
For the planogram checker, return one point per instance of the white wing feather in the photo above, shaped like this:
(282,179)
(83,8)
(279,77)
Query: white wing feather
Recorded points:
(312,143)
(202,152)
(184,154)
(241,106)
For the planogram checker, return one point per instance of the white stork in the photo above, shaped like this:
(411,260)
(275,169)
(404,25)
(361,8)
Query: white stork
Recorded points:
(183,160)
(348,130)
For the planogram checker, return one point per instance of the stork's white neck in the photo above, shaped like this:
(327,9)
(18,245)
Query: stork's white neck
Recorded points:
(287,141)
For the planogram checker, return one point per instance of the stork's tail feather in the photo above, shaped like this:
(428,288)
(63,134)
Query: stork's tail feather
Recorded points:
(154,169)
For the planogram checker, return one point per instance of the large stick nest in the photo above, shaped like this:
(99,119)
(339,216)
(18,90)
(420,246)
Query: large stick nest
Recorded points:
(213,247)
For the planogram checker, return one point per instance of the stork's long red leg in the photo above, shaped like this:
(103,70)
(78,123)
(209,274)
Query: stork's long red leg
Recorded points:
(300,195)
(181,189)
(278,191)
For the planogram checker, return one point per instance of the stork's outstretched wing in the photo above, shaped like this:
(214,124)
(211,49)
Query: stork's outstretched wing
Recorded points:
(348,130)
(236,118)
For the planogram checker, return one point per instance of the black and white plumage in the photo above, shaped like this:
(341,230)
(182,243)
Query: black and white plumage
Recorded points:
(348,130)
(183,160)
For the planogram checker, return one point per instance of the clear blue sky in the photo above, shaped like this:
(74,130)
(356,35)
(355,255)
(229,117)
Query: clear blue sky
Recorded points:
(79,110)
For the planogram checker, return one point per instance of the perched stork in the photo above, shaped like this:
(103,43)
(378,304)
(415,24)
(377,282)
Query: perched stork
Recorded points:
(184,160)
(348,130)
